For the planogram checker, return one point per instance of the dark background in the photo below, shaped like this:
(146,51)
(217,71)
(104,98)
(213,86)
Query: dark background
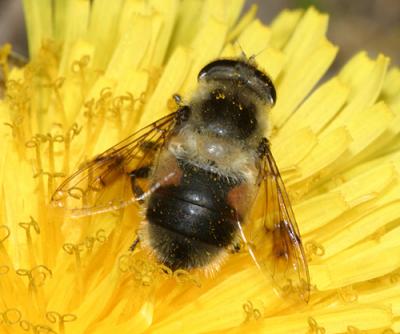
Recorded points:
(372,25)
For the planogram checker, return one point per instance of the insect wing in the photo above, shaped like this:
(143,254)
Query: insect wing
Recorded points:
(274,240)
(104,183)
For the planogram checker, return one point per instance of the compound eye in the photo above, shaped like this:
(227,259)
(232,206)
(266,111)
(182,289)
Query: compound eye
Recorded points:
(244,74)
(263,84)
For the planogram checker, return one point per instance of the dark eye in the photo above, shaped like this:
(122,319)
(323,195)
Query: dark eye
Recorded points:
(243,73)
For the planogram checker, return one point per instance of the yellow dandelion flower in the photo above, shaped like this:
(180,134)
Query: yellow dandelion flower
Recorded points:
(100,70)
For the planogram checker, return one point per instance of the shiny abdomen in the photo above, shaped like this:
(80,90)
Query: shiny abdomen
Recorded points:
(191,223)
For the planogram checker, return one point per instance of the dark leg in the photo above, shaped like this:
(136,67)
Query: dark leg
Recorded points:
(140,173)
(133,246)
(263,147)
(236,247)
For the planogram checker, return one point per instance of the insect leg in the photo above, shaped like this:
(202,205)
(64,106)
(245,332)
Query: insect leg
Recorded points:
(236,247)
(140,173)
(263,147)
(133,246)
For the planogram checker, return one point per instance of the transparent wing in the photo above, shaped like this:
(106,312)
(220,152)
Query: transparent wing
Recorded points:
(117,177)
(274,240)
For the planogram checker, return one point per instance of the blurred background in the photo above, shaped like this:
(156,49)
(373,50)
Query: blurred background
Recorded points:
(354,25)
(372,25)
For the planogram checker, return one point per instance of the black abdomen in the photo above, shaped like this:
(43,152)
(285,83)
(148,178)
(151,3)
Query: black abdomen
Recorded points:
(191,223)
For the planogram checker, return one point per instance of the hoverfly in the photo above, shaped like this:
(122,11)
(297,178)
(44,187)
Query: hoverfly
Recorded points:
(196,173)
